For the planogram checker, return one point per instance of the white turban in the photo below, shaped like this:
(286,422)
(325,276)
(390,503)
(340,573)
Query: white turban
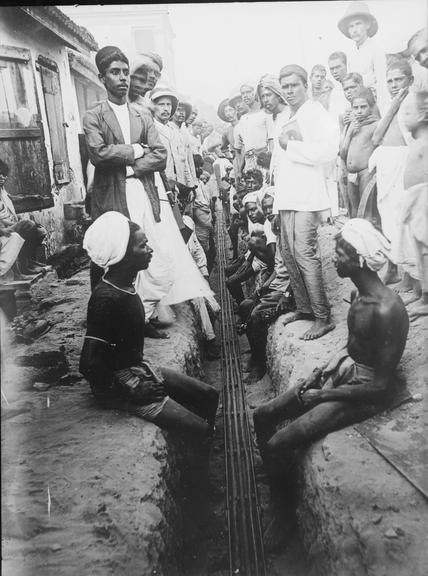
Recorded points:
(106,239)
(371,246)
(250,197)
(268,191)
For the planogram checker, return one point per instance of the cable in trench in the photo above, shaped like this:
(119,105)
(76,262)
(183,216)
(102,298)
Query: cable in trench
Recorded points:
(245,538)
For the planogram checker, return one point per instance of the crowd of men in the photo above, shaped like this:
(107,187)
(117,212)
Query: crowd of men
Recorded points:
(293,152)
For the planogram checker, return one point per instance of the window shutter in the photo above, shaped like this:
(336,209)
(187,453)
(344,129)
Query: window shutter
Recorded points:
(55,116)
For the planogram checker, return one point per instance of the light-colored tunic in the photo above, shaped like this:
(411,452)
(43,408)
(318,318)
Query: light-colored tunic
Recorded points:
(300,182)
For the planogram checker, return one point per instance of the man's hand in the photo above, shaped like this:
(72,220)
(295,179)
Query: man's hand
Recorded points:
(283,140)
(311,398)
(147,392)
(276,225)
(347,117)
(354,126)
(282,305)
(398,98)
(5,232)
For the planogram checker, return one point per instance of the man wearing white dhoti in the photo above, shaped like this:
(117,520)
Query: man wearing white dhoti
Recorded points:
(391,138)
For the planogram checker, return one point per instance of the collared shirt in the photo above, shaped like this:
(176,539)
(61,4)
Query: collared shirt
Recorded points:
(122,114)
(369,60)
(300,180)
(253,131)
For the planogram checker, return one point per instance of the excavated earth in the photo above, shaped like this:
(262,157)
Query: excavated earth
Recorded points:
(97,492)
(357,515)
(84,490)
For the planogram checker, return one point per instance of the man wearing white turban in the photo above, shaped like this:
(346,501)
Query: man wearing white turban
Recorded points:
(359,381)
(112,354)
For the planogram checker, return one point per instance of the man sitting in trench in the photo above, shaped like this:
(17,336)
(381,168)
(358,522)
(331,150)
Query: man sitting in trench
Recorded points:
(112,355)
(356,383)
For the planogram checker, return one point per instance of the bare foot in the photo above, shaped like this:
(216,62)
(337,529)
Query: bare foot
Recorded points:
(319,328)
(151,332)
(410,299)
(418,311)
(294,316)
(406,284)
(391,277)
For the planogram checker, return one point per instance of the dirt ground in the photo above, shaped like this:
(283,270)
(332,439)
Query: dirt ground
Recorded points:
(85,490)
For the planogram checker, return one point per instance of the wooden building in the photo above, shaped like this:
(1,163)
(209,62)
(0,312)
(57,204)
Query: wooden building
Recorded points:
(46,81)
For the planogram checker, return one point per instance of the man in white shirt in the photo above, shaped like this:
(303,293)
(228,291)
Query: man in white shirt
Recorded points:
(309,140)
(181,143)
(253,133)
(365,57)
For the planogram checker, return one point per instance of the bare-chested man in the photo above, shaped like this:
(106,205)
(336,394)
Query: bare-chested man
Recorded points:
(390,139)
(358,381)
(357,148)
(415,200)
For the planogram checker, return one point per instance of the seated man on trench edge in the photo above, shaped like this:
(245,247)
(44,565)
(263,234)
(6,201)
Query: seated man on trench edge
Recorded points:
(358,382)
(272,299)
(112,355)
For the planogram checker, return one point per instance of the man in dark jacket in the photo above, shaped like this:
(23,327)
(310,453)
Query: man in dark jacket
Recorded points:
(125,149)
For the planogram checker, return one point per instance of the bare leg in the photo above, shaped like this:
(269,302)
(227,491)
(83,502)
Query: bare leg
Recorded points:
(176,417)
(416,293)
(268,416)
(201,397)
(316,423)
(391,276)
(405,285)
(420,308)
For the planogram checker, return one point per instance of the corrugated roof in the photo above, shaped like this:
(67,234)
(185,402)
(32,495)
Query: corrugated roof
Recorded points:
(55,15)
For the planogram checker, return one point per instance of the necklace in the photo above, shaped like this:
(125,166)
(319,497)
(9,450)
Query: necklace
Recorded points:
(117,287)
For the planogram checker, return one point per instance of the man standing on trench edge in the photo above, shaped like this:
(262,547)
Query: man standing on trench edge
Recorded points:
(358,382)
(125,148)
(308,141)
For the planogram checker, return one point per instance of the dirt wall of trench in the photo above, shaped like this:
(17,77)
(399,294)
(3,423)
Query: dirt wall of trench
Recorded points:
(84,490)
(357,515)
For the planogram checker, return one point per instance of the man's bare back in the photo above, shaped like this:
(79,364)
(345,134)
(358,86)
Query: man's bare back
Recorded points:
(371,320)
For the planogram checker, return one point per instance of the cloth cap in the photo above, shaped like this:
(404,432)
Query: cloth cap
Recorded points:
(106,55)
(354,11)
(371,246)
(270,82)
(163,93)
(106,239)
(250,197)
(294,69)
(269,191)
(147,59)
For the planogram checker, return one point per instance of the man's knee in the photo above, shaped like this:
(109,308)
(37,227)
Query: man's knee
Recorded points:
(213,395)
(262,416)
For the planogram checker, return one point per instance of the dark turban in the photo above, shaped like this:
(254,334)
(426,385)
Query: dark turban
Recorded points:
(294,69)
(106,55)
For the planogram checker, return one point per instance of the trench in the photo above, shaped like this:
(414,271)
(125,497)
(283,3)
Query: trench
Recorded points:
(224,519)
